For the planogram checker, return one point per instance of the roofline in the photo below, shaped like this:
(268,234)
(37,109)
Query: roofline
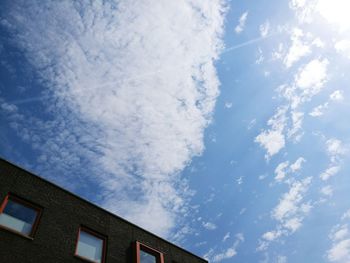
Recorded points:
(98,207)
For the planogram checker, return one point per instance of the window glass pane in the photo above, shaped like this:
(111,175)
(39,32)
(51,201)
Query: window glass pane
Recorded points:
(90,247)
(18,217)
(147,258)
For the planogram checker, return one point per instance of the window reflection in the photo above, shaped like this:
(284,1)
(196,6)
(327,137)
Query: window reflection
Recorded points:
(90,247)
(147,258)
(18,217)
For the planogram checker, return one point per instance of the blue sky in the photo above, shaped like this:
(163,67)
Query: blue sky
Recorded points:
(220,125)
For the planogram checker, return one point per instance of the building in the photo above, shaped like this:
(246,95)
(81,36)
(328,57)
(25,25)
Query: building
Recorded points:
(41,222)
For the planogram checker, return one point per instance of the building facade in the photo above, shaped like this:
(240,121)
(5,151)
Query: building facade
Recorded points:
(41,222)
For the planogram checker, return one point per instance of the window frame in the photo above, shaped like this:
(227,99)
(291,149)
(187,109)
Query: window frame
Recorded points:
(38,209)
(95,234)
(140,246)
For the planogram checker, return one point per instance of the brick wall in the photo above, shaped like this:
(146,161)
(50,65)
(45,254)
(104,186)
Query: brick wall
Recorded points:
(62,215)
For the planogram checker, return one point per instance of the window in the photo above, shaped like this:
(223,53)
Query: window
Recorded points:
(19,216)
(147,258)
(90,246)
(146,254)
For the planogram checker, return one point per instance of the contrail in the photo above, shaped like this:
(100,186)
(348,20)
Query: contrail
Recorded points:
(147,74)
(247,43)
(28,100)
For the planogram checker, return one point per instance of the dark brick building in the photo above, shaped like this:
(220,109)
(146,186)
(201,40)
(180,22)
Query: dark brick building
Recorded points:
(41,222)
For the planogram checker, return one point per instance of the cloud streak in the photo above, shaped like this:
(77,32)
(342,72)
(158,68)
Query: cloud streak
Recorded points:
(241,23)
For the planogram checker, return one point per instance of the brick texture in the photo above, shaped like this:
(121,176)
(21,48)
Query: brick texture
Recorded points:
(62,215)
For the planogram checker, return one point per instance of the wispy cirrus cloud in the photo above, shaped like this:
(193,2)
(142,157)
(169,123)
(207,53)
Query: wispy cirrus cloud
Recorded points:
(320,110)
(218,255)
(209,225)
(335,150)
(241,23)
(130,105)
(264,29)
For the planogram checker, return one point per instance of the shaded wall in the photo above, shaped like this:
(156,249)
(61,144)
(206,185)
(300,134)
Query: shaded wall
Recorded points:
(62,215)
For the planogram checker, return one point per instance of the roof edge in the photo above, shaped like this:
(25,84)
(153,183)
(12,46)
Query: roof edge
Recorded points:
(98,207)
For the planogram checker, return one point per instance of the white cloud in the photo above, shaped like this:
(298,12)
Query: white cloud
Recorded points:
(337,95)
(317,42)
(227,253)
(339,232)
(335,12)
(269,237)
(297,3)
(199,244)
(272,235)
(278,54)
(227,236)
(319,110)
(267,73)
(263,245)
(239,237)
(280,171)
(262,176)
(243,210)
(343,47)
(346,215)
(290,203)
(209,225)
(131,105)
(281,259)
(264,29)
(8,108)
(327,190)
(308,82)
(260,58)
(283,168)
(335,148)
(331,171)
(312,77)
(241,22)
(296,166)
(304,10)
(228,105)
(251,124)
(295,132)
(298,48)
(273,140)
(293,224)
(289,213)
(340,250)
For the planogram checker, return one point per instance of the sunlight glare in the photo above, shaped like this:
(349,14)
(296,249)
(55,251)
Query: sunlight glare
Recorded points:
(335,12)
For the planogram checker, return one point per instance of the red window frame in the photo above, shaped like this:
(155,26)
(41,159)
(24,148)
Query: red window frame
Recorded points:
(96,234)
(25,203)
(140,246)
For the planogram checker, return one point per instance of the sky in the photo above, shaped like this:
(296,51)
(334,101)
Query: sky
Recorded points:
(219,125)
